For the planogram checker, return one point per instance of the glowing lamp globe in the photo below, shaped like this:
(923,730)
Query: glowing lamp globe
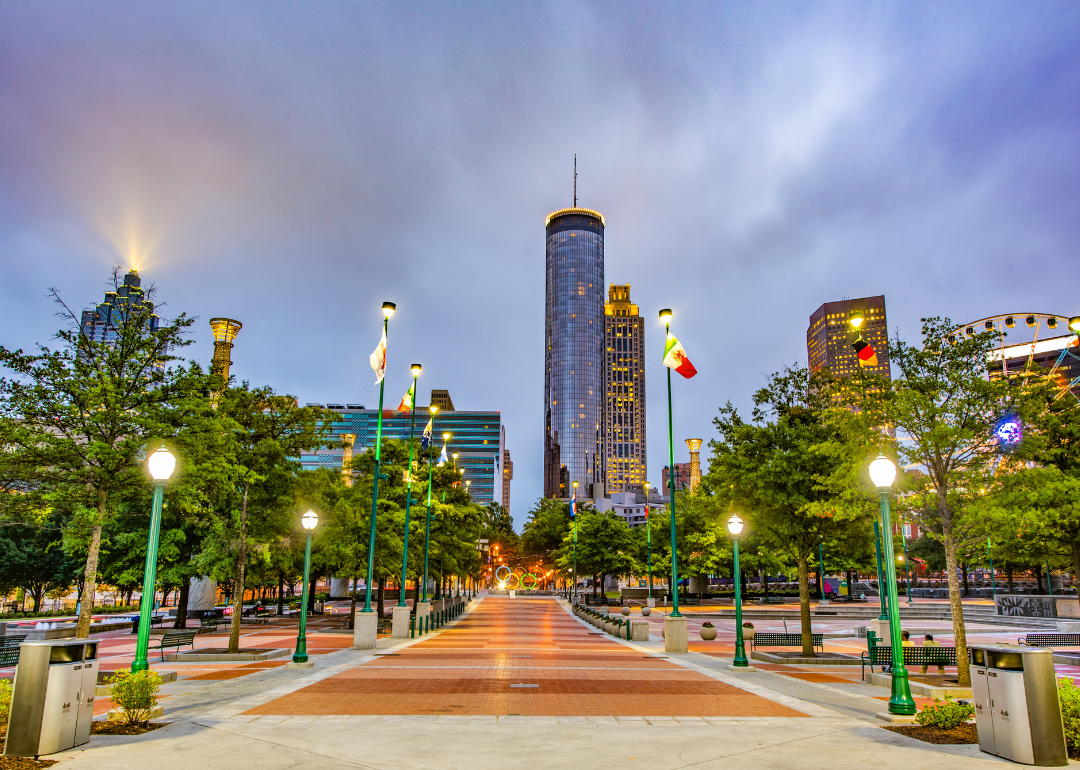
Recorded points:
(1074,323)
(735,525)
(388,308)
(882,472)
(416,368)
(665,316)
(161,464)
(309,520)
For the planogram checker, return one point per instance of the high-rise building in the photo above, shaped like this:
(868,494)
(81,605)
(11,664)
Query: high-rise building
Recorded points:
(573,352)
(624,393)
(508,475)
(682,477)
(830,336)
(101,323)
(441,399)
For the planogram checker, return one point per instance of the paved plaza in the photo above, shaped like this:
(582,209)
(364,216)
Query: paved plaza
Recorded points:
(512,683)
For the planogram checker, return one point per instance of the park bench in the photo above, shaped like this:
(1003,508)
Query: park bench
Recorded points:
(786,640)
(1050,640)
(210,623)
(913,656)
(175,639)
(9,650)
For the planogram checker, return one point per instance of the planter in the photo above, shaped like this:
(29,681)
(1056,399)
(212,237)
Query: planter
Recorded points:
(646,611)
(747,634)
(708,634)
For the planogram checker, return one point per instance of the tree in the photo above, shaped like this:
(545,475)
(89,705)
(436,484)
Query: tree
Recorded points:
(546,530)
(78,417)
(605,545)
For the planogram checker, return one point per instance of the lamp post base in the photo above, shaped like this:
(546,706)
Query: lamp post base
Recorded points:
(675,635)
(400,627)
(650,602)
(365,630)
(881,628)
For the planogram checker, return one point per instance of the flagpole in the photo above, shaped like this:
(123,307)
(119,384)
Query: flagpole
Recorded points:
(573,516)
(665,316)
(408,489)
(388,310)
(427,525)
(648,535)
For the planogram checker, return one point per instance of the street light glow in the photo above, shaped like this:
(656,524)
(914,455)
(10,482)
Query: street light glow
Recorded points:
(1074,323)
(856,321)
(735,525)
(161,464)
(665,316)
(882,472)
(310,520)
(433,408)
(388,309)
(416,370)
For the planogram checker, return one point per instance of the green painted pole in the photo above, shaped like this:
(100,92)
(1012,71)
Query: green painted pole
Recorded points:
(901,701)
(671,486)
(408,493)
(880,575)
(375,487)
(821,569)
(146,601)
(648,536)
(907,567)
(993,580)
(740,645)
(427,525)
(300,656)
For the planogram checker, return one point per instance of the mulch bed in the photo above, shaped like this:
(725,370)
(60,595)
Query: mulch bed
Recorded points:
(119,728)
(20,763)
(966,733)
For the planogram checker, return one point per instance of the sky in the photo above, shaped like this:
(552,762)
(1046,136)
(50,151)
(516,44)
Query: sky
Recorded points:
(294,165)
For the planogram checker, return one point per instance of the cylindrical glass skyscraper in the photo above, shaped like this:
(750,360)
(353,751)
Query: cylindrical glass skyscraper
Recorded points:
(574,349)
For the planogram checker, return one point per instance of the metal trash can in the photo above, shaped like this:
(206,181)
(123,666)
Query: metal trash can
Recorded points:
(1017,712)
(52,701)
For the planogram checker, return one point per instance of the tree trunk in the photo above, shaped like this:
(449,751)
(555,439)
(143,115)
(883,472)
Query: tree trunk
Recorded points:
(381,600)
(1009,577)
(352,607)
(181,605)
(765,584)
(281,592)
(1074,546)
(238,586)
(967,586)
(1038,579)
(955,603)
(804,608)
(86,611)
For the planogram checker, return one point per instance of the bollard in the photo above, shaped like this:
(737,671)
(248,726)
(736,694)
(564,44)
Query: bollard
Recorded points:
(412,627)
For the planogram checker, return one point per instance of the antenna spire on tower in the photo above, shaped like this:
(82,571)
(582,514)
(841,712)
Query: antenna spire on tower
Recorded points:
(575,180)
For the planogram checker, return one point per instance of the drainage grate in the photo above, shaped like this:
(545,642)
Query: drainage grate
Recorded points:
(524,685)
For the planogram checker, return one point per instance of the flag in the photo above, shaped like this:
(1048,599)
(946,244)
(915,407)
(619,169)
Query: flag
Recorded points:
(866,354)
(378,359)
(406,404)
(442,457)
(573,506)
(425,438)
(675,358)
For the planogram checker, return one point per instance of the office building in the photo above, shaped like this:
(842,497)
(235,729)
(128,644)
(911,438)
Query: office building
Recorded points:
(831,335)
(682,477)
(573,352)
(478,438)
(508,475)
(441,399)
(623,426)
(102,323)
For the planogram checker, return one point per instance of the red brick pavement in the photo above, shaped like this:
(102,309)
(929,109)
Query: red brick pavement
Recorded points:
(522,656)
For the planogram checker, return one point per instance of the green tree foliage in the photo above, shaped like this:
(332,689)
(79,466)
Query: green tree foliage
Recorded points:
(546,530)
(605,546)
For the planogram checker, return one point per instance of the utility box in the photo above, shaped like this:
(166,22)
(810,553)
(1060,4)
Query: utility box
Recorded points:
(52,701)
(1017,712)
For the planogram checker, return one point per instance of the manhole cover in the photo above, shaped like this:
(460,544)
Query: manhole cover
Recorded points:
(524,685)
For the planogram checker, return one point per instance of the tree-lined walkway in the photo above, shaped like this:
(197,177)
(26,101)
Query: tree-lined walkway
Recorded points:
(528,657)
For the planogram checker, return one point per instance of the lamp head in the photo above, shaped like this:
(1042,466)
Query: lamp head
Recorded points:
(433,408)
(310,520)
(575,485)
(665,316)
(161,464)
(735,525)
(1074,323)
(882,472)
(446,437)
(856,321)
(416,370)
(388,309)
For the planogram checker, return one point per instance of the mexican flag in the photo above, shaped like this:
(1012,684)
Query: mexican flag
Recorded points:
(378,359)
(866,354)
(407,400)
(675,358)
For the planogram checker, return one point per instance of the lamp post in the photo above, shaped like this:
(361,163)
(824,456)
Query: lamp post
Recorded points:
(427,524)
(735,527)
(821,569)
(408,492)
(883,474)
(993,579)
(309,521)
(388,309)
(648,537)
(665,319)
(880,575)
(161,465)
(573,519)
(907,567)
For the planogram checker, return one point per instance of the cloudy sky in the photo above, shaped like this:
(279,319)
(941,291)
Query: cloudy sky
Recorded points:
(292,165)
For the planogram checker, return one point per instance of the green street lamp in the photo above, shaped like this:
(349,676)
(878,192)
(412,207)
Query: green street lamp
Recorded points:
(308,521)
(665,319)
(648,536)
(416,368)
(161,465)
(884,614)
(430,469)
(573,518)
(907,567)
(735,527)
(989,553)
(883,474)
(388,309)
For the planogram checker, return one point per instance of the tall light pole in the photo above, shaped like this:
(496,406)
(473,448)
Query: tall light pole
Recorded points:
(427,524)
(648,536)
(735,527)
(907,566)
(993,579)
(665,319)
(309,521)
(416,369)
(161,465)
(883,615)
(388,309)
(883,474)
(573,520)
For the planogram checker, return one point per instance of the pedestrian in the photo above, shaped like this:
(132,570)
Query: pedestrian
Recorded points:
(929,642)
(905,639)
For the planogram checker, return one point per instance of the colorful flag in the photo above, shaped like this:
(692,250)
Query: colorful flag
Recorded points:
(425,439)
(866,354)
(573,505)
(378,359)
(406,404)
(675,358)
(442,457)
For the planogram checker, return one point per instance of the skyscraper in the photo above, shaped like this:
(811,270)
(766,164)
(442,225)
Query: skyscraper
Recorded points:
(101,323)
(624,392)
(830,336)
(508,475)
(574,352)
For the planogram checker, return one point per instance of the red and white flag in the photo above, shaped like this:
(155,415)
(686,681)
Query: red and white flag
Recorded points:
(378,359)
(675,358)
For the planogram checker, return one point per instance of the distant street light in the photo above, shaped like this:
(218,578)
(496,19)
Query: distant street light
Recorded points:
(416,369)
(735,527)
(161,466)
(308,521)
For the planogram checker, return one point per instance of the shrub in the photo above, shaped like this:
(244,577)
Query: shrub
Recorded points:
(5,700)
(707,624)
(945,714)
(135,694)
(748,624)
(1069,696)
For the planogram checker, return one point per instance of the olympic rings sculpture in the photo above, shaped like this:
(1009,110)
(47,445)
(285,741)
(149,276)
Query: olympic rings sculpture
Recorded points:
(517,579)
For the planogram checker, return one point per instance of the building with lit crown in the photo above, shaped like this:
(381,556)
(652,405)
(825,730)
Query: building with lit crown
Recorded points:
(101,323)
(830,336)
(624,393)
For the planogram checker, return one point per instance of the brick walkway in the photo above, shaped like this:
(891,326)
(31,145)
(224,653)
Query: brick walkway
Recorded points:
(526,657)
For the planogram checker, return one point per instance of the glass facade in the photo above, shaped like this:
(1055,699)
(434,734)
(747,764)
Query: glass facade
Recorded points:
(574,352)
(100,324)
(477,437)
(624,393)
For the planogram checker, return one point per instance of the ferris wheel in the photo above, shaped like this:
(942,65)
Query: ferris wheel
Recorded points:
(1049,341)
